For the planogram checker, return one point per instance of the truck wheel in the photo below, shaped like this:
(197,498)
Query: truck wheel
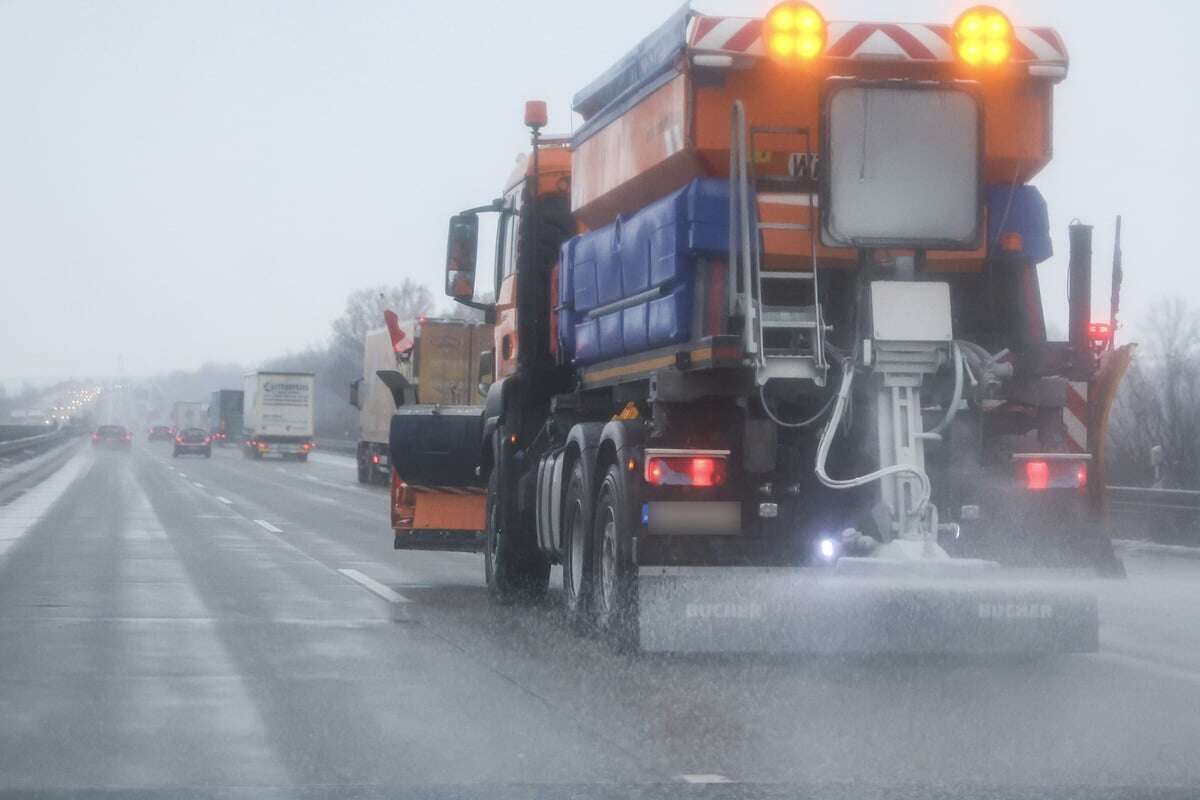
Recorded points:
(257,456)
(614,594)
(364,470)
(302,457)
(577,551)
(515,571)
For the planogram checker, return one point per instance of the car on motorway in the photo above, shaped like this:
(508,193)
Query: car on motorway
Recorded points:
(193,440)
(112,436)
(160,433)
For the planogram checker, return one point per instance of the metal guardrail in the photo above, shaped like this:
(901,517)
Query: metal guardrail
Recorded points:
(1166,516)
(18,445)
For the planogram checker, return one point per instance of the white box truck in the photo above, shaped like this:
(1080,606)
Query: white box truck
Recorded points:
(189,414)
(278,414)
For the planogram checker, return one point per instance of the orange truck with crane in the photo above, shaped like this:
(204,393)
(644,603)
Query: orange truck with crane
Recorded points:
(770,364)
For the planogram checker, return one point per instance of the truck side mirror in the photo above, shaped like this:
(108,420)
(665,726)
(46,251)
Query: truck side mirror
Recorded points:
(355,400)
(487,371)
(462,245)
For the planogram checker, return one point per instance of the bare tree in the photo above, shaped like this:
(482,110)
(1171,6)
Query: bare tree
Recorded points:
(1159,402)
(365,307)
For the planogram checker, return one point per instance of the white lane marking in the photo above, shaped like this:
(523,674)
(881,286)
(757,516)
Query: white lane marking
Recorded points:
(714,778)
(268,526)
(281,469)
(224,500)
(21,515)
(198,485)
(374,586)
(182,474)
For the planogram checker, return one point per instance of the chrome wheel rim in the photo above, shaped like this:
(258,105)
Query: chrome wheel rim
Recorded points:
(609,560)
(576,545)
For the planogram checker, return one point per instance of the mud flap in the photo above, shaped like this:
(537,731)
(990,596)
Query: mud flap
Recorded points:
(818,611)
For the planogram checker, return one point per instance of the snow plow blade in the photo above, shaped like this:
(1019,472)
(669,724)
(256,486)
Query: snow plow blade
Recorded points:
(858,610)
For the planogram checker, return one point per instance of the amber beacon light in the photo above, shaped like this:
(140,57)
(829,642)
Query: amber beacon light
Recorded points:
(795,32)
(983,37)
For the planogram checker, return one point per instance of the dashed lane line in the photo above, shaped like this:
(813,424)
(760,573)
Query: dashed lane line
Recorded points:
(712,778)
(262,523)
(224,500)
(374,587)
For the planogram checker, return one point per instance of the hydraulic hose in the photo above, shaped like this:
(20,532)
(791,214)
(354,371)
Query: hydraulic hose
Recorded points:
(839,409)
(952,410)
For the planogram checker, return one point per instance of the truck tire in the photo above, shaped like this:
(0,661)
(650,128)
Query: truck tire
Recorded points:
(577,551)
(515,570)
(257,455)
(614,595)
(302,457)
(364,469)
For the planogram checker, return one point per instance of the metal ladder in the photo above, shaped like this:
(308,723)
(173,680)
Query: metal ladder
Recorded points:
(751,289)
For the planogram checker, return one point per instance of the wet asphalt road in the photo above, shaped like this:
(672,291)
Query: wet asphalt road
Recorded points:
(237,626)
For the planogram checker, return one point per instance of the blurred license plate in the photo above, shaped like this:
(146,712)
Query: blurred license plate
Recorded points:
(676,518)
(287,448)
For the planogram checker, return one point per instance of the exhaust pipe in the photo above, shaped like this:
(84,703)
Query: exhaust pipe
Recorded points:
(1079,291)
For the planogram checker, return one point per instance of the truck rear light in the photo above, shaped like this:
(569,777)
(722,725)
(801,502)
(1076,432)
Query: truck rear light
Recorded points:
(374,459)
(262,445)
(983,37)
(701,469)
(795,31)
(207,440)
(178,440)
(1100,336)
(95,437)
(1041,471)
(1037,475)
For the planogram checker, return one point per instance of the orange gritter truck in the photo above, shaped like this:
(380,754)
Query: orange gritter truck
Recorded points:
(770,368)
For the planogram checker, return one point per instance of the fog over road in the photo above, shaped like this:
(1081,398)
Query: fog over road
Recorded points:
(245,624)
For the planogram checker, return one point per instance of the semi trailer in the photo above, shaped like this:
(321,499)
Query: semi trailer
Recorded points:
(225,415)
(771,366)
(278,414)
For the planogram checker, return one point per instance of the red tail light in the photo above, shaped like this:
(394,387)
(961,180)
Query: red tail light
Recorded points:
(1100,335)
(1037,475)
(374,459)
(700,470)
(95,437)
(178,440)
(207,440)
(1041,471)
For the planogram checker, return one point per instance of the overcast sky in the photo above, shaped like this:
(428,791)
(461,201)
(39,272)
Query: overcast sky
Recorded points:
(191,181)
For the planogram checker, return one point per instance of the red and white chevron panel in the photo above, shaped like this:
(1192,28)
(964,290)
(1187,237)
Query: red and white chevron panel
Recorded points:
(1075,416)
(869,40)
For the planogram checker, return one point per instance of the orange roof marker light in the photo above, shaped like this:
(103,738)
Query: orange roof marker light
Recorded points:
(983,37)
(795,31)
